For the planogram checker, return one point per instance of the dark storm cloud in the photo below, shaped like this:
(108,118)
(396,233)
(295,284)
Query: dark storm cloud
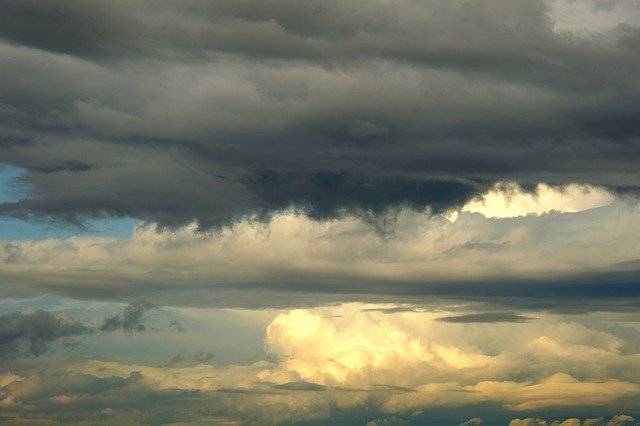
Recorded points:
(326,193)
(179,111)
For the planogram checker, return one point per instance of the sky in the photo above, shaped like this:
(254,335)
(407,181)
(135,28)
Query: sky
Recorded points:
(338,212)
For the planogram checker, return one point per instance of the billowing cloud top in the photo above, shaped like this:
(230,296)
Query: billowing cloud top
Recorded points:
(178,111)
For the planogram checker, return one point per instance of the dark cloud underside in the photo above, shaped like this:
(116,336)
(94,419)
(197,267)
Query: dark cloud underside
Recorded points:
(487,317)
(210,111)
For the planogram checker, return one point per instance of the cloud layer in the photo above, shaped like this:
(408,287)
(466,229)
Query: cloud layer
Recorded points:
(183,111)
(591,254)
(353,363)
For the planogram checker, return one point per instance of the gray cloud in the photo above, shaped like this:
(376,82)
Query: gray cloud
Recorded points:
(179,111)
(31,333)
(392,310)
(129,320)
(616,420)
(486,317)
(300,386)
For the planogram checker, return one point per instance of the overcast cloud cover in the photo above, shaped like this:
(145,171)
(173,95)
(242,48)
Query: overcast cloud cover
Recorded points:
(372,212)
(175,111)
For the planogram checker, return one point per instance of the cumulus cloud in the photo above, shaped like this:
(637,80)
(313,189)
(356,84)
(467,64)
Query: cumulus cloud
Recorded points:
(212,112)
(404,349)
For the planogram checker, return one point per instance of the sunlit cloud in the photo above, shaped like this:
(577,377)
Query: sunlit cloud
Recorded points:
(508,200)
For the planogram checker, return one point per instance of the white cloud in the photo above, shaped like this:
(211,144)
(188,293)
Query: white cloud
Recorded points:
(507,200)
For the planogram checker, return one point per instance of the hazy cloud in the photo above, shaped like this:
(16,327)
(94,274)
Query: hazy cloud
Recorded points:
(31,333)
(129,320)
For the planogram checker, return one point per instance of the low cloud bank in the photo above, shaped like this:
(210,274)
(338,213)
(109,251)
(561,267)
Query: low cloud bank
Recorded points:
(592,253)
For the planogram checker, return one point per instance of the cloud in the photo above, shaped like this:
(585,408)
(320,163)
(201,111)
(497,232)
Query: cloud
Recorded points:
(457,167)
(188,360)
(399,352)
(406,349)
(584,16)
(476,421)
(316,262)
(31,333)
(236,393)
(486,317)
(616,420)
(300,386)
(212,113)
(129,320)
(558,390)
(510,201)
(403,366)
